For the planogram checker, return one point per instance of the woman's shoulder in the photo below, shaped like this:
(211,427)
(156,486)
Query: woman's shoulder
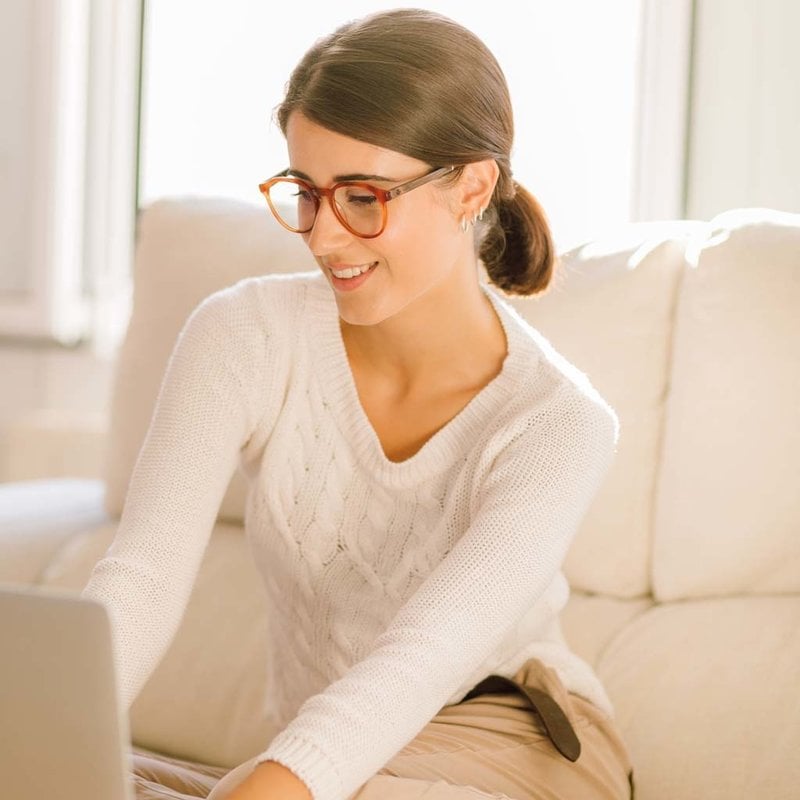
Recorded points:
(552,392)
(267,298)
(282,285)
(563,401)
(255,318)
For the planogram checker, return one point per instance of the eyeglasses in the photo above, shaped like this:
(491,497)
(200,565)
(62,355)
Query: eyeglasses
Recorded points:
(360,207)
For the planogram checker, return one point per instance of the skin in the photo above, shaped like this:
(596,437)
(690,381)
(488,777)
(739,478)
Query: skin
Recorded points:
(421,337)
(271,781)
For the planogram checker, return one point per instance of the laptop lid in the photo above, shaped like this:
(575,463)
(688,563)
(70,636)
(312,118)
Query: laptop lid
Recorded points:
(61,733)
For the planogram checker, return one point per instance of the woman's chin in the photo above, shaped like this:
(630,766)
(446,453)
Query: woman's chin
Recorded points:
(359,316)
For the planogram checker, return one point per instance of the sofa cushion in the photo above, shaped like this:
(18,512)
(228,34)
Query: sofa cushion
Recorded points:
(609,311)
(206,699)
(728,503)
(591,622)
(186,249)
(706,698)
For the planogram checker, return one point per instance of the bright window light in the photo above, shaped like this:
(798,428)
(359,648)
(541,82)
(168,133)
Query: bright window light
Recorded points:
(214,71)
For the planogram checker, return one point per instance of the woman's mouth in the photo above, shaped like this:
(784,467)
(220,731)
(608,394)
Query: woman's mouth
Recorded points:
(351,272)
(350,277)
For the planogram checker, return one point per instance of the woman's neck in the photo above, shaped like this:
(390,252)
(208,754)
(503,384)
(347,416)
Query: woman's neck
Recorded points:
(450,339)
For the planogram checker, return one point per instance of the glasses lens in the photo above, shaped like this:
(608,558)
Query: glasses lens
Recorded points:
(361,207)
(294,204)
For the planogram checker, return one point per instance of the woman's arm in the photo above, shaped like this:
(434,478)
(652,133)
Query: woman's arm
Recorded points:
(528,509)
(202,416)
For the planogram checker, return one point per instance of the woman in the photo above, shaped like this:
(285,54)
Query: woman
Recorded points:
(419,457)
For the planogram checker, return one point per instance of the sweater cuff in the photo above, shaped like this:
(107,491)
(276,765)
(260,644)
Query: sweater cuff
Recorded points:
(308,762)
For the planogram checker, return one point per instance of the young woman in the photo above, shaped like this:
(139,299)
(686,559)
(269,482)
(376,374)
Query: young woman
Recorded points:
(419,456)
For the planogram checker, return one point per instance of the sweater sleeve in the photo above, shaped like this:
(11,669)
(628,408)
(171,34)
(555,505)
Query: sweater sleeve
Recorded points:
(200,421)
(530,505)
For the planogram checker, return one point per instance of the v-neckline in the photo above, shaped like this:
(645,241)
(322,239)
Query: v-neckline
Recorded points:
(340,394)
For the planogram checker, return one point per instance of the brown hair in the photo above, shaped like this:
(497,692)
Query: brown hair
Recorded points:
(416,82)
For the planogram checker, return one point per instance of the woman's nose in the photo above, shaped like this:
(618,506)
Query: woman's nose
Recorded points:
(327,234)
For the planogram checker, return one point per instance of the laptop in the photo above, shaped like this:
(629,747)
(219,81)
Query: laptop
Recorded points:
(62,736)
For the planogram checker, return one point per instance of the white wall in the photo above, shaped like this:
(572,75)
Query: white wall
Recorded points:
(16,135)
(205,116)
(744,142)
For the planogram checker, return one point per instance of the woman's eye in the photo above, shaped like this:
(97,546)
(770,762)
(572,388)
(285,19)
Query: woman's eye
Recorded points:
(362,199)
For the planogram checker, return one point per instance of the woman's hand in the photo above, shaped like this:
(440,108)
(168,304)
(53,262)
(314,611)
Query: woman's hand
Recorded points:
(271,781)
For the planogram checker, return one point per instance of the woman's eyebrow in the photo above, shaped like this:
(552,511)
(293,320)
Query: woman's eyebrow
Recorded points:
(355,176)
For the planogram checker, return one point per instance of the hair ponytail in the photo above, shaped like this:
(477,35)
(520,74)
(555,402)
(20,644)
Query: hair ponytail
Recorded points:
(517,247)
(417,82)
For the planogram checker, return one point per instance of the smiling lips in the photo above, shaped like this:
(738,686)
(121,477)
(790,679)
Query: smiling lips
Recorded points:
(351,272)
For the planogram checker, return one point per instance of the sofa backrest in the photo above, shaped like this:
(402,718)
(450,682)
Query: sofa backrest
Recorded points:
(727,507)
(610,313)
(689,329)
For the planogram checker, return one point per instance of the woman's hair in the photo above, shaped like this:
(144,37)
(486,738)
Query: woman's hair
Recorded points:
(418,83)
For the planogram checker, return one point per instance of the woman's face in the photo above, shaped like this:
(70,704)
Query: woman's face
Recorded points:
(418,250)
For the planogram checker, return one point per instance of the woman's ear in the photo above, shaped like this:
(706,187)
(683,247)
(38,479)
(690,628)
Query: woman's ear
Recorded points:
(476,187)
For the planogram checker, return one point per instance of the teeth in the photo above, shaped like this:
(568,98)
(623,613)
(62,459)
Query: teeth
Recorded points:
(351,272)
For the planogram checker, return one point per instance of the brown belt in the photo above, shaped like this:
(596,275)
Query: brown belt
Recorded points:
(555,721)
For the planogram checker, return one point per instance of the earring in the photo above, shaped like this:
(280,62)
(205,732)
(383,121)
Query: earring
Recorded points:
(464,223)
(478,215)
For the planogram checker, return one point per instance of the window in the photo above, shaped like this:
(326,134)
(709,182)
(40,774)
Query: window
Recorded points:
(210,84)
(68,197)
(600,92)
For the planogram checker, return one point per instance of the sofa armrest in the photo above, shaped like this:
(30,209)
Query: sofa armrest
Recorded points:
(38,518)
(53,443)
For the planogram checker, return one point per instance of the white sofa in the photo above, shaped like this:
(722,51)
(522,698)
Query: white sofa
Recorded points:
(685,572)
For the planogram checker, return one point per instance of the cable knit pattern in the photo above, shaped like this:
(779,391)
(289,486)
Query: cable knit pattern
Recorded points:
(394,587)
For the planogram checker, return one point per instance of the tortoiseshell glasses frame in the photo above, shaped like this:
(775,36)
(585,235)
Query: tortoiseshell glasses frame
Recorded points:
(316,193)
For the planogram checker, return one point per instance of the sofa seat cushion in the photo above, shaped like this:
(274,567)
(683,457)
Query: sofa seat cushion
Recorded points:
(590,622)
(706,697)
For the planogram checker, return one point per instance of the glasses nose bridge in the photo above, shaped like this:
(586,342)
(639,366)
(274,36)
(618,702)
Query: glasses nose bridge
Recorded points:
(325,194)
(319,193)
(339,226)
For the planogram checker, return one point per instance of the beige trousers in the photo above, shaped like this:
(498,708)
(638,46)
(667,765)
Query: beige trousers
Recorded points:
(488,747)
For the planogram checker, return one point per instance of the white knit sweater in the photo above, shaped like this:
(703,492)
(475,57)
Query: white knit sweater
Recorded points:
(394,586)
